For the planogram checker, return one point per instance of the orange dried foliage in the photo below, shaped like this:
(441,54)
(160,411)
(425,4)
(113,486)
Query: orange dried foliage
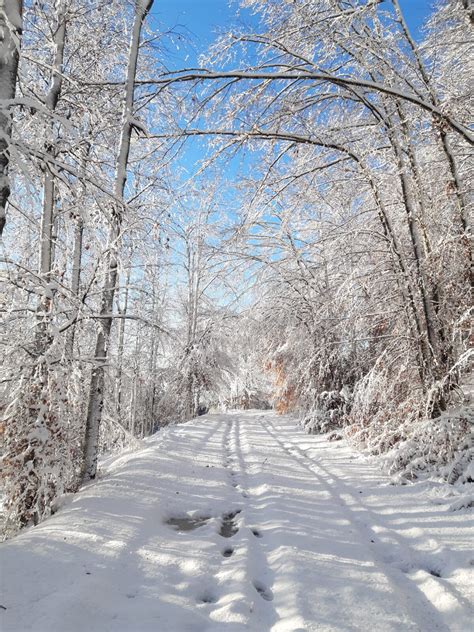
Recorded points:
(286,401)
(285,398)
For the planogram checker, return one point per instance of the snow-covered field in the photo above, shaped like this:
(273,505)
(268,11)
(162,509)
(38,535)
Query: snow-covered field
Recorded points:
(269,529)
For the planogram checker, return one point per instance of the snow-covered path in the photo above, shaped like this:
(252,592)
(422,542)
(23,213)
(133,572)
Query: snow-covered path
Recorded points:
(295,534)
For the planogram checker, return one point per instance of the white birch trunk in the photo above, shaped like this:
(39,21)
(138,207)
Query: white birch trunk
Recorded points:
(135,387)
(96,394)
(121,338)
(77,258)
(403,276)
(417,245)
(75,281)
(47,216)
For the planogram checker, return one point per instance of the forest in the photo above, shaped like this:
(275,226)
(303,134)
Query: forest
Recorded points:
(281,224)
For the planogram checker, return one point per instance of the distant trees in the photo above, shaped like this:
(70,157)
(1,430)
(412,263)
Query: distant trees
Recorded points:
(198,362)
(125,299)
(357,210)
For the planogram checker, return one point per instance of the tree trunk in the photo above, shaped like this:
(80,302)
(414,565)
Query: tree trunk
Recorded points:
(135,386)
(405,282)
(96,394)
(77,257)
(75,281)
(47,216)
(456,183)
(121,338)
(10,35)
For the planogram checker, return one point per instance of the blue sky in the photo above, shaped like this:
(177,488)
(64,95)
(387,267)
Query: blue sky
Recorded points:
(203,18)
(200,21)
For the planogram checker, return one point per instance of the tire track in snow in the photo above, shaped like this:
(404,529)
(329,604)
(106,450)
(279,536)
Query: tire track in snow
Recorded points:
(414,600)
(280,515)
(420,568)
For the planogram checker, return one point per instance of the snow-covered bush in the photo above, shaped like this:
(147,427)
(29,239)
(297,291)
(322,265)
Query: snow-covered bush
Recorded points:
(330,412)
(42,443)
(389,418)
(443,445)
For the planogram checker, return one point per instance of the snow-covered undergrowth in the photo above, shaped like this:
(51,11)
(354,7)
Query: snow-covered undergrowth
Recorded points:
(413,449)
(411,443)
(60,475)
(443,445)
(385,418)
(329,411)
(242,522)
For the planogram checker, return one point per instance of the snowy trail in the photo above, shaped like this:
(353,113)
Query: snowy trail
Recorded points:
(295,534)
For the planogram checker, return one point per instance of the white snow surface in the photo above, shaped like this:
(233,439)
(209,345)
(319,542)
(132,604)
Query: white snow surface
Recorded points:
(324,541)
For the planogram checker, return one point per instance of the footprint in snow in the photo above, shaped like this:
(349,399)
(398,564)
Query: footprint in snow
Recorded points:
(207,597)
(228,552)
(263,591)
(257,533)
(228,525)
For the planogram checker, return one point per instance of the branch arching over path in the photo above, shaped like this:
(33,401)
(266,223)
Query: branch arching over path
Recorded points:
(241,75)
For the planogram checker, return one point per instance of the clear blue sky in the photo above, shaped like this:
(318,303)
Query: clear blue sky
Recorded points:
(201,19)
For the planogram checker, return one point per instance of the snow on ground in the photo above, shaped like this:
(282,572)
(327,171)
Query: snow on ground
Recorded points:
(269,530)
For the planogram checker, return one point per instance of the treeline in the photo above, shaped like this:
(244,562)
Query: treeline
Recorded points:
(124,302)
(82,246)
(358,216)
